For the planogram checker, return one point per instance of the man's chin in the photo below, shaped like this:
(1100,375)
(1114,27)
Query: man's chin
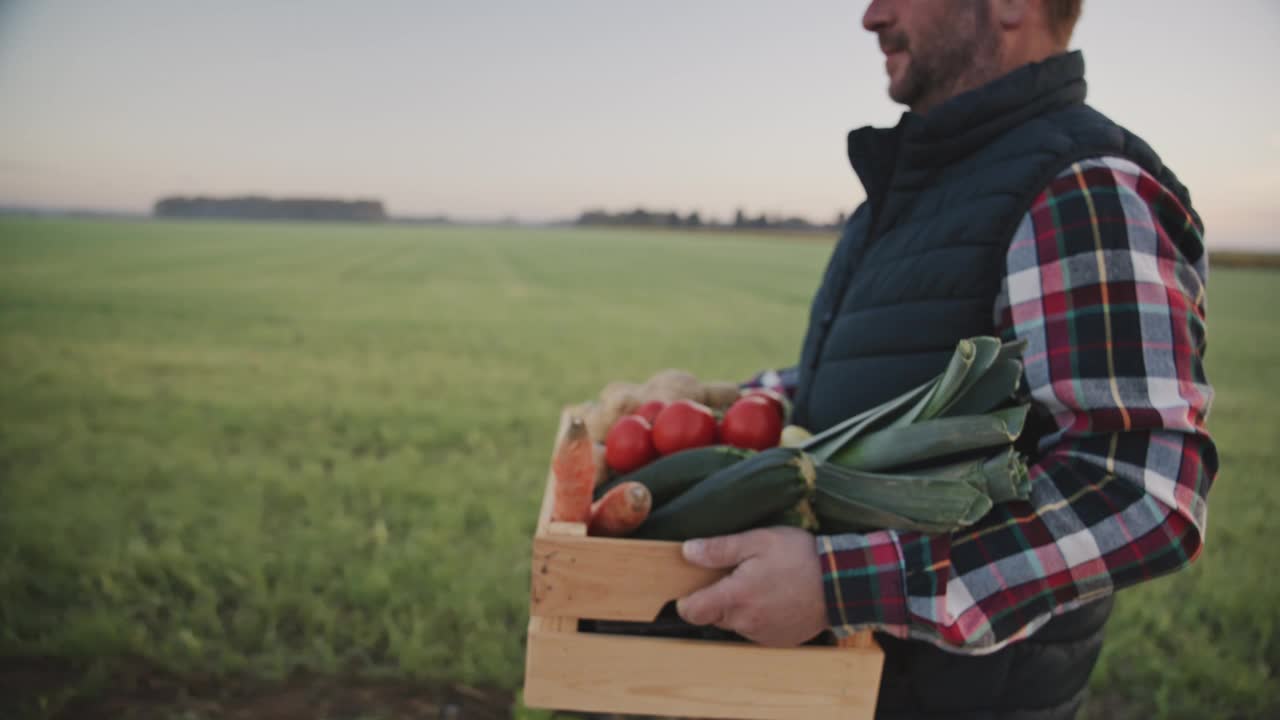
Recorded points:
(903,93)
(903,87)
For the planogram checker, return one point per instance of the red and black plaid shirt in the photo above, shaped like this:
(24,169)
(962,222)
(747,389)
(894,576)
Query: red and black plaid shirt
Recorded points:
(1114,317)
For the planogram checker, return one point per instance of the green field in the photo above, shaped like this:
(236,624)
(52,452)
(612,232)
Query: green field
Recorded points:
(239,451)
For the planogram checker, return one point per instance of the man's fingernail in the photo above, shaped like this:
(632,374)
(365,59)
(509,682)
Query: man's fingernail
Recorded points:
(692,549)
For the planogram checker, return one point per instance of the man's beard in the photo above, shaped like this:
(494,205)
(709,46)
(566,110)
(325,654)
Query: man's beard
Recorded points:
(962,54)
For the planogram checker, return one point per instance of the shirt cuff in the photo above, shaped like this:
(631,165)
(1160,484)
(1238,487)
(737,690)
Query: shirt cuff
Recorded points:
(782,381)
(864,582)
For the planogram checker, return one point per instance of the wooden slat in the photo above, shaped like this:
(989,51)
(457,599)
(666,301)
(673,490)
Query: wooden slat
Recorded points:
(861,639)
(698,678)
(611,579)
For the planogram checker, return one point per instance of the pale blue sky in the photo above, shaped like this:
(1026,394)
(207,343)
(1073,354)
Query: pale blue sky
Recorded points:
(540,109)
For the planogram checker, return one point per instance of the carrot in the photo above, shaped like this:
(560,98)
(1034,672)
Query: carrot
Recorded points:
(575,471)
(620,511)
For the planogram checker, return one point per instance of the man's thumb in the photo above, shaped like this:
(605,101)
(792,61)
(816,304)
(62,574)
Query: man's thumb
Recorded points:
(707,606)
(725,551)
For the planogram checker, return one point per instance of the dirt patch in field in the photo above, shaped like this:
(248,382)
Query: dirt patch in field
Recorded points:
(59,690)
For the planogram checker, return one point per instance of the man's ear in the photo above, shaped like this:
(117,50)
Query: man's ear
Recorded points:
(1011,14)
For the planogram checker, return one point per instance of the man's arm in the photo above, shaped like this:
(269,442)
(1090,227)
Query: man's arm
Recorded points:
(1114,317)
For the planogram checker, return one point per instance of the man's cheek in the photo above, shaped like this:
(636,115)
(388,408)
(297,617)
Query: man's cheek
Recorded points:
(895,63)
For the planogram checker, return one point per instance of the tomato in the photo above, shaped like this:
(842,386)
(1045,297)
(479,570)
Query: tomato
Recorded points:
(778,400)
(682,425)
(629,444)
(752,423)
(649,411)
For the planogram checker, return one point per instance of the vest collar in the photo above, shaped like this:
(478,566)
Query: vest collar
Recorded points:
(909,153)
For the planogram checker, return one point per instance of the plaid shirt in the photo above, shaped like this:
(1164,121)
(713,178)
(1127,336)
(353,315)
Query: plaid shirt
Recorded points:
(1114,317)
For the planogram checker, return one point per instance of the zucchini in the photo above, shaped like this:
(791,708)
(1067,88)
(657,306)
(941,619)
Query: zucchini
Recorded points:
(671,475)
(733,499)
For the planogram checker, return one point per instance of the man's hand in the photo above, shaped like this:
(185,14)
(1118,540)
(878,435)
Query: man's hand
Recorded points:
(774,595)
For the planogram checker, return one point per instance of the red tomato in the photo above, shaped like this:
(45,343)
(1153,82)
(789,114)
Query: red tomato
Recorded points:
(629,444)
(776,399)
(682,425)
(649,411)
(752,423)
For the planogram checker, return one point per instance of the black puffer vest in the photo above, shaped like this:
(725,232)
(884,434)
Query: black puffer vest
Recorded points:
(918,267)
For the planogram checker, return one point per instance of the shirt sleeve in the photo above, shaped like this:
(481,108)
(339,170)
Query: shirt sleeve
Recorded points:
(783,381)
(1114,316)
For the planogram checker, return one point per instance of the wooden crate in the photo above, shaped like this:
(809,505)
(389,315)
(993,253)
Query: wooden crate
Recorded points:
(575,576)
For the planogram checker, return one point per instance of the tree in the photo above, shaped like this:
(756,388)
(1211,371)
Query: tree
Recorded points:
(256,207)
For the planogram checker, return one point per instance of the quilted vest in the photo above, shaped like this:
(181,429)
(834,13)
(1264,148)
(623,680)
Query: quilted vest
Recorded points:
(917,268)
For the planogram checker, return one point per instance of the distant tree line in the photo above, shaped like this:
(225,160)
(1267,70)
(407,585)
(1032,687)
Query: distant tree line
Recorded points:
(639,217)
(421,220)
(644,218)
(255,207)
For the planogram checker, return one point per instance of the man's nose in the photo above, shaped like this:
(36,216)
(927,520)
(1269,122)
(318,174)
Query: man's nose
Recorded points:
(878,16)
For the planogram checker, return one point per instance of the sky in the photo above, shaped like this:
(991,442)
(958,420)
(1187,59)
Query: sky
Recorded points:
(539,110)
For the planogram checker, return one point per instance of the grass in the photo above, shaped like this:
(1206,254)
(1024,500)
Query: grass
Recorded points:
(1206,642)
(247,450)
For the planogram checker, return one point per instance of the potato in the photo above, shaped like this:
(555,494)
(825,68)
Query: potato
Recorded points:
(616,399)
(619,403)
(794,436)
(671,385)
(721,394)
(581,410)
(598,422)
(616,392)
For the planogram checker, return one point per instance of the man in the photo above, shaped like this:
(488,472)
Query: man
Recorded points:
(1000,204)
